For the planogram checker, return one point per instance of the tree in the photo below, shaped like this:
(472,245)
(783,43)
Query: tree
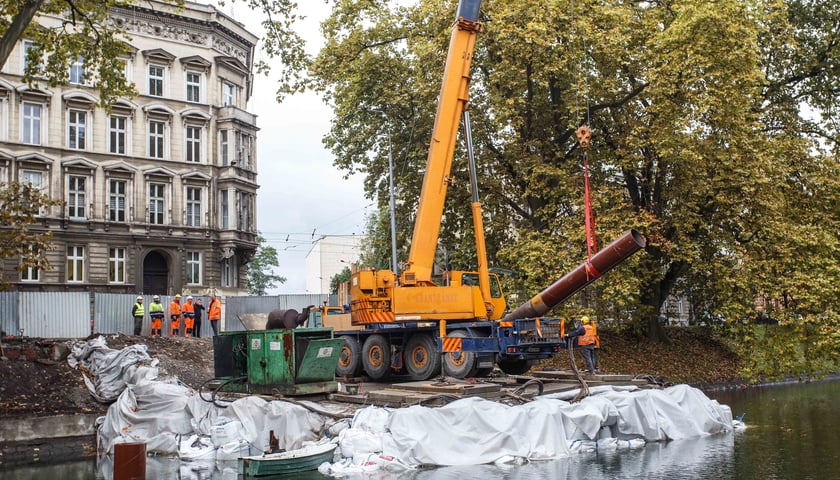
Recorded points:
(700,140)
(338,279)
(260,270)
(19,205)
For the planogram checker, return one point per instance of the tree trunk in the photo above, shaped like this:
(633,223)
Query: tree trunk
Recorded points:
(17,27)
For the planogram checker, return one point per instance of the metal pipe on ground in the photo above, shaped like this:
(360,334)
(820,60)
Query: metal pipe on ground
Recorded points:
(600,263)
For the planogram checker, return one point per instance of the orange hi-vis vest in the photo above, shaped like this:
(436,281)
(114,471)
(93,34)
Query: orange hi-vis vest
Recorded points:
(175,311)
(215,311)
(189,314)
(588,338)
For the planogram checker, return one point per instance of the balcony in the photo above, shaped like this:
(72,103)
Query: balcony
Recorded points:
(231,113)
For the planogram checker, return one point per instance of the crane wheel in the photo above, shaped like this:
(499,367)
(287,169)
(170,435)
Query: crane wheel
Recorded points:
(350,358)
(459,364)
(376,357)
(421,357)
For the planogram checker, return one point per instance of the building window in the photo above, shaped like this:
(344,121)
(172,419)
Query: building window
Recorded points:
(27,46)
(244,141)
(228,93)
(225,209)
(77,71)
(116,200)
(194,268)
(76,129)
(156,80)
(36,179)
(76,197)
(75,263)
(193,204)
(156,138)
(30,274)
(193,87)
(193,135)
(116,265)
(32,123)
(229,267)
(117,134)
(224,149)
(156,203)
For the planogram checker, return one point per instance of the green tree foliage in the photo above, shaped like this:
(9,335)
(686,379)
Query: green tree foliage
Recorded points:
(715,135)
(338,279)
(260,269)
(19,205)
(801,347)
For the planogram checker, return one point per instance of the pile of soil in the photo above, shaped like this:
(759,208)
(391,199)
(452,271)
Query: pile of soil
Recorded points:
(38,381)
(693,355)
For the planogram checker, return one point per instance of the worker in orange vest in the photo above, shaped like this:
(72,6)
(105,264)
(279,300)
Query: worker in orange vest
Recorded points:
(189,317)
(586,342)
(175,315)
(214,313)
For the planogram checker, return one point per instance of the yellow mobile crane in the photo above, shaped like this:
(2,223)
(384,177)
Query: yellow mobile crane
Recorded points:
(408,321)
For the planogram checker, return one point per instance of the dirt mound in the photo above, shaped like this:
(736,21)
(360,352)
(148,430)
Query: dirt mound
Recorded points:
(37,380)
(693,356)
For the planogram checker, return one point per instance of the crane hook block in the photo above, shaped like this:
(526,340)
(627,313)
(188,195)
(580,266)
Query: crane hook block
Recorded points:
(584,134)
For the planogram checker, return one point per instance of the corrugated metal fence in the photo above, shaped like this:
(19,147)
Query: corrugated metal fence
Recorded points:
(236,305)
(55,314)
(78,314)
(8,313)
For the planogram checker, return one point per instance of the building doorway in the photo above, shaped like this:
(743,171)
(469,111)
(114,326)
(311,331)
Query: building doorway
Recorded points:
(155,274)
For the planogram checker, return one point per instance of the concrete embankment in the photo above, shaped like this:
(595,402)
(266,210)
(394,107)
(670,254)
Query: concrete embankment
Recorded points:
(27,440)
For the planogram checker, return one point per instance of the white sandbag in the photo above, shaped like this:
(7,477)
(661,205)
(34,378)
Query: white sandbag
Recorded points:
(372,419)
(353,441)
(226,431)
(235,450)
(195,448)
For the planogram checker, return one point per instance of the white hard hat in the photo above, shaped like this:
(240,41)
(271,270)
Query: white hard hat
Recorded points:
(189,298)
(139,297)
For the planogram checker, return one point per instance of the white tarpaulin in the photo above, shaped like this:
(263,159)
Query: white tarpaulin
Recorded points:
(111,369)
(476,431)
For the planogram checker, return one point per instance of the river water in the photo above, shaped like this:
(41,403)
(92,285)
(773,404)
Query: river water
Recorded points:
(793,432)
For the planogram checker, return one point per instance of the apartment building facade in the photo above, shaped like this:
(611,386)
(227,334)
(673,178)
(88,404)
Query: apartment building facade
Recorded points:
(159,193)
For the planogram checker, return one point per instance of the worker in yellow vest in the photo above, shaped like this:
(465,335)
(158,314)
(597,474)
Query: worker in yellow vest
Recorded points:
(137,312)
(175,315)
(586,342)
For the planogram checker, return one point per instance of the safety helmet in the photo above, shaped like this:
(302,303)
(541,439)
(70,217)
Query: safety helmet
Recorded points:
(156,298)
(189,298)
(584,319)
(139,298)
(178,295)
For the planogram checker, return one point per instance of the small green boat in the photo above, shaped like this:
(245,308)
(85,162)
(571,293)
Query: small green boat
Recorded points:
(300,460)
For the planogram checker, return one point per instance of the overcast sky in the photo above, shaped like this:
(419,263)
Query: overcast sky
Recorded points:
(301,192)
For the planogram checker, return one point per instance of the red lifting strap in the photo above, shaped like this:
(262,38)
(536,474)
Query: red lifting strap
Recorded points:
(591,244)
(584,135)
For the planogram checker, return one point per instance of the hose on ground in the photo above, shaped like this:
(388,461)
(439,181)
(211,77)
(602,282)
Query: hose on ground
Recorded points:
(217,389)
